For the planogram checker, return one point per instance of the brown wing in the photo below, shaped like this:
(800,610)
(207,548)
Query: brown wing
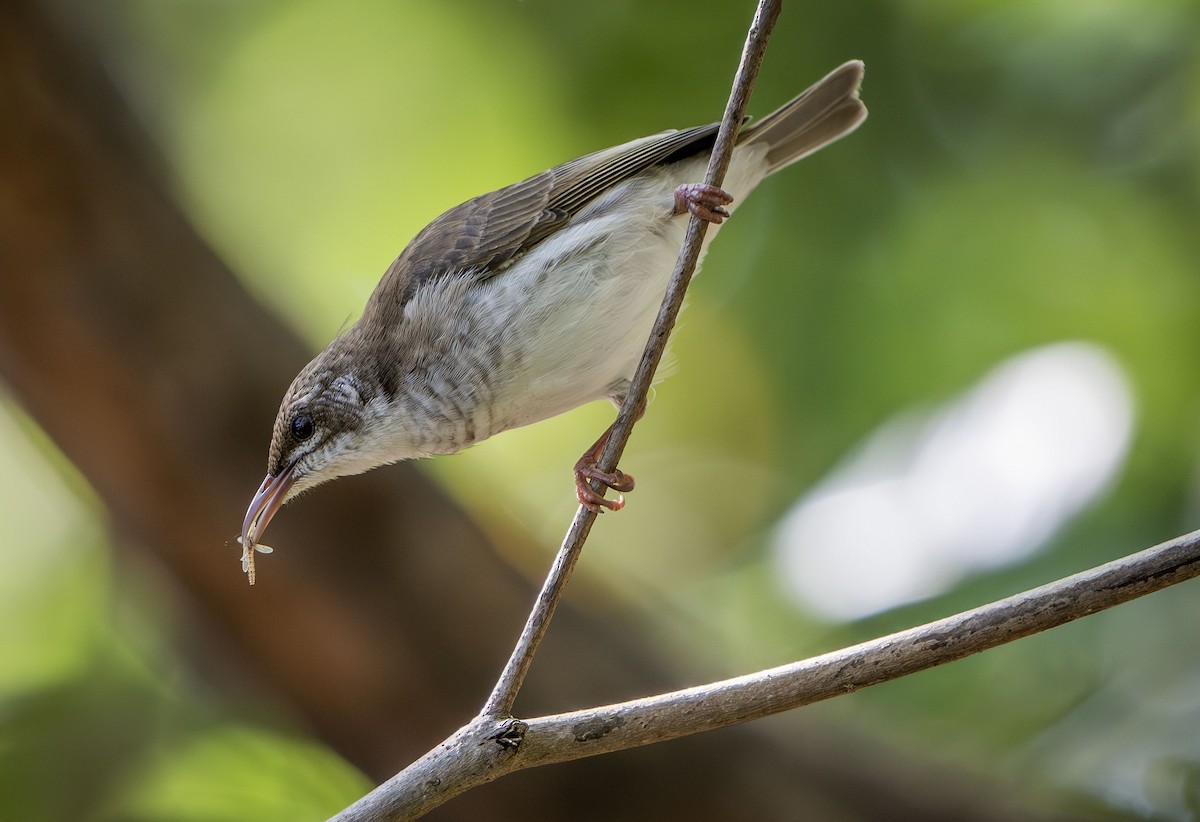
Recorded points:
(487,233)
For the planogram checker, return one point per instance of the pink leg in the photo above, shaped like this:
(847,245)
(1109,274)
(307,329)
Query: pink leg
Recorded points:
(704,201)
(585,469)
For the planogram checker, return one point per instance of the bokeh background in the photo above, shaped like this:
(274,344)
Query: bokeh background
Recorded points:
(948,359)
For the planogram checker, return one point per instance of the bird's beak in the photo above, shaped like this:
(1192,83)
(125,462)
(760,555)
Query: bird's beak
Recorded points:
(266,502)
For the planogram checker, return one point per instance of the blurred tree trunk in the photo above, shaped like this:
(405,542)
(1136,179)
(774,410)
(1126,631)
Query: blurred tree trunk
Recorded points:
(387,615)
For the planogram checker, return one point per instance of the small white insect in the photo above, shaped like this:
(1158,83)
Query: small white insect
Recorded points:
(248,555)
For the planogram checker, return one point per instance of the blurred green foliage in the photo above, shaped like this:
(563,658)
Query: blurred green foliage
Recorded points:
(99,718)
(1030,173)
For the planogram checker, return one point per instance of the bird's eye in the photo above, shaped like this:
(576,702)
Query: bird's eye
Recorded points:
(302,427)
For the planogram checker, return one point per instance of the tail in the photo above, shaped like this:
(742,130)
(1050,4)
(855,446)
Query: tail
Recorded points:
(827,111)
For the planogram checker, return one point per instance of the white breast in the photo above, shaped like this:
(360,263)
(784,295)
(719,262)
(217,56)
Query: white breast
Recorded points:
(567,323)
(588,296)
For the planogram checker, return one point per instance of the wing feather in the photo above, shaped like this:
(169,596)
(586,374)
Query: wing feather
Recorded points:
(486,234)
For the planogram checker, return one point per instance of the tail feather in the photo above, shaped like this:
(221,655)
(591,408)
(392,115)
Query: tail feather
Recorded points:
(827,111)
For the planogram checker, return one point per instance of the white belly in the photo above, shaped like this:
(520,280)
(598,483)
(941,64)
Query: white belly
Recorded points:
(584,318)
(563,326)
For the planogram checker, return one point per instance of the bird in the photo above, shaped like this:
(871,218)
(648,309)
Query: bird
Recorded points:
(525,302)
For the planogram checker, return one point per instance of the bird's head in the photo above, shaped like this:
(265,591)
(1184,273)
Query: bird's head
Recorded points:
(324,429)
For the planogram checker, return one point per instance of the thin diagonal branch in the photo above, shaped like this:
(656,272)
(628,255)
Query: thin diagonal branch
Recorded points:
(500,702)
(489,748)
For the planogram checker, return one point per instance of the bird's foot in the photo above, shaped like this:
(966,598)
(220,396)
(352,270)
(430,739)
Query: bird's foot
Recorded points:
(586,470)
(705,201)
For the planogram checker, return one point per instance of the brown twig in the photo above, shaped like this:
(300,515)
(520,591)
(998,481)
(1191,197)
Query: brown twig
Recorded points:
(489,748)
(504,694)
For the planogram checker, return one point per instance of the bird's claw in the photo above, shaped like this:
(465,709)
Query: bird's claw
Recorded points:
(619,481)
(703,200)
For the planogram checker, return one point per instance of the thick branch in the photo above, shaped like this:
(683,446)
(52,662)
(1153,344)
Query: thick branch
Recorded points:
(487,749)
(500,703)
(716,705)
